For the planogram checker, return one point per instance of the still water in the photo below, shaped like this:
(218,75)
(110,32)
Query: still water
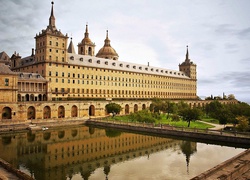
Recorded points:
(81,152)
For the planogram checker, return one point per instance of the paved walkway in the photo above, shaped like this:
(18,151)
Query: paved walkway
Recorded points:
(216,126)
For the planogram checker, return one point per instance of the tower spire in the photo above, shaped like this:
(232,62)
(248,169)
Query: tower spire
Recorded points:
(187,54)
(52,19)
(86,34)
(107,41)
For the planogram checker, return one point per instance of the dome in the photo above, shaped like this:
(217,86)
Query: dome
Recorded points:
(107,51)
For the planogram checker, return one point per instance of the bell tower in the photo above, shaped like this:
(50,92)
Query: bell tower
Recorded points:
(86,47)
(51,44)
(188,67)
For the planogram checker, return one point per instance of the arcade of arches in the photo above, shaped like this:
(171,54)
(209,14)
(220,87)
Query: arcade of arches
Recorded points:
(62,110)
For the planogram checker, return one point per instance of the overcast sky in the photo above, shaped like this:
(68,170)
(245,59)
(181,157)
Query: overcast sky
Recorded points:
(155,31)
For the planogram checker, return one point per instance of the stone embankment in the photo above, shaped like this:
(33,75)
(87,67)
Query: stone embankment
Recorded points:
(236,168)
(215,136)
(8,172)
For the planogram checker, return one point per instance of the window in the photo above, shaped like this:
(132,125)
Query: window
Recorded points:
(49,73)
(56,73)
(62,74)
(6,82)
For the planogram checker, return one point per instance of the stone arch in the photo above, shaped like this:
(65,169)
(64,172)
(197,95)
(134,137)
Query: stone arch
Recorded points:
(61,112)
(32,97)
(6,113)
(46,112)
(39,97)
(31,113)
(19,97)
(44,97)
(92,110)
(74,132)
(61,134)
(126,109)
(46,136)
(90,51)
(74,111)
(135,108)
(143,106)
(27,97)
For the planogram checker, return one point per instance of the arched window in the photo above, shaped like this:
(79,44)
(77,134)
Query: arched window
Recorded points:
(126,109)
(92,110)
(6,113)
(74,111)
(61,112)
(90,51)
(46,112)
(31,113)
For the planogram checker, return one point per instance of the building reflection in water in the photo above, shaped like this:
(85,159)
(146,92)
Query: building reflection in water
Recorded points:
(62,153)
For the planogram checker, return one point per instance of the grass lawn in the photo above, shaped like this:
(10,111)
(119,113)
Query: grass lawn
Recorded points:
(210,120)
(164,120)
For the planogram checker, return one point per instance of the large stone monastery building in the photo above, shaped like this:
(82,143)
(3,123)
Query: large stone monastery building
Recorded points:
(86,75)
(56,82)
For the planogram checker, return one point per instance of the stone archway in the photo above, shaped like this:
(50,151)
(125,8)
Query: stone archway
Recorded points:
(46,112)
(27,97)
(126,109)
(143,106)
(32,97)
(74,111)
(61,112)
(19,97)
(6,113)
(31,113)
(44,97)
(39,97)
(92,110)
(135,108)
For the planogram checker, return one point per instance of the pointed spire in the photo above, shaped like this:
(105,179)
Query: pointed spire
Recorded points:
(86,34)
(52,19)
(71,48)
(187,54)
(107,41)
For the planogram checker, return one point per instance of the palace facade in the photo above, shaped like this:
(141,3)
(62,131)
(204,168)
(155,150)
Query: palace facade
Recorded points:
(85,75)
(56,82)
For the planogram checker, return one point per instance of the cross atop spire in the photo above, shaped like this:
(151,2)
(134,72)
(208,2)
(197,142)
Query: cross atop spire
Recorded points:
(187,54)
(107,41)
(86,34)
(52,19)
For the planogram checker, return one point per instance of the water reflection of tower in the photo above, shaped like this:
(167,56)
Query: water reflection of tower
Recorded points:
(188,148)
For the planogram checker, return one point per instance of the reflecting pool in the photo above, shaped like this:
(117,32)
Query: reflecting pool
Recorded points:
(81,152)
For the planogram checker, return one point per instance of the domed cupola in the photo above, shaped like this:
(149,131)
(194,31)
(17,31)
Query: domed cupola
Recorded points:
(107,51)
(86,46)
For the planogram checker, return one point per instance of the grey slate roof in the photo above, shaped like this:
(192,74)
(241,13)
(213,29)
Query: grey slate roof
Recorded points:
(5,69)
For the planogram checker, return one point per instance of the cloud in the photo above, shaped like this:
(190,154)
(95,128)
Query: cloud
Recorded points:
(244,33)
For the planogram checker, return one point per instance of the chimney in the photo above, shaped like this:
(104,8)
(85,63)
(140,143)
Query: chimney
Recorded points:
(32,54)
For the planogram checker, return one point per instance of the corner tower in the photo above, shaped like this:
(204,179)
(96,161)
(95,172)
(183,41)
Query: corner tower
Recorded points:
(51,44)
(86,46)
(107,51)
(188,67)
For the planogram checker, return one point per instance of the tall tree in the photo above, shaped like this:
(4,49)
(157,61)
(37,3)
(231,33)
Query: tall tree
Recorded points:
(113,108)
(189,114)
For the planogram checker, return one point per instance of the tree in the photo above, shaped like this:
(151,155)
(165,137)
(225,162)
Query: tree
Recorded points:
(242,123)
(230,97)
(189,114)
(113,108)
(213,108)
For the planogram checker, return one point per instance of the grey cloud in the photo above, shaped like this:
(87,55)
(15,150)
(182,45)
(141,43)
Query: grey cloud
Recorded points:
(238,79)
(244,33)
(226,29)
